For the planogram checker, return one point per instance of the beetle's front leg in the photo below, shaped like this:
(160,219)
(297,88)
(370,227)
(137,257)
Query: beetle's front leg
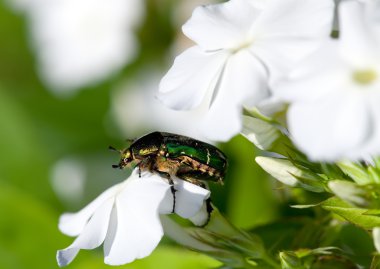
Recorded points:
(145,165)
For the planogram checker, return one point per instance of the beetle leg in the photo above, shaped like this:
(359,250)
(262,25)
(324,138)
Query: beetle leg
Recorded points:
(173,190)
(145,164)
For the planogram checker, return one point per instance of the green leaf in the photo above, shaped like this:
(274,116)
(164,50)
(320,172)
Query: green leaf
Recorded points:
(375,262)
(374,174)
(350,213)
(355,171)
(289,260)
(374,212)
(311,184)
(357,243)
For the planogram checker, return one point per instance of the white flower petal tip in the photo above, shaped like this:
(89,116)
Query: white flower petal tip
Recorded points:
(242,48)
(192,74)
(66,256)
(202,217)
(221,26)
(126,218)
(189,199)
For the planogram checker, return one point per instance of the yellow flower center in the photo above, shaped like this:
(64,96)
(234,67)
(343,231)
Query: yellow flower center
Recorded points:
(365,77)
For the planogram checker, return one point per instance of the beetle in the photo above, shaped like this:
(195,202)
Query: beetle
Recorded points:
(175,155)
(172,155)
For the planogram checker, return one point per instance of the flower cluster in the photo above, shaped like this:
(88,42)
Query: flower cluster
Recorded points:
(258,53)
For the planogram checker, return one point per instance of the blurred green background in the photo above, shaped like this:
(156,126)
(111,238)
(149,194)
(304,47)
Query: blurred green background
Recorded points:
(54,156)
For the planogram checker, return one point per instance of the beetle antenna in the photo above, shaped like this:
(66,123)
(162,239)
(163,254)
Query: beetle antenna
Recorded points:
(113,149)
(115,166)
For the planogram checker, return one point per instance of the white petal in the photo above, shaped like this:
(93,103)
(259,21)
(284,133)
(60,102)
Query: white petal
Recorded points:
(358,45)
(376,238)
(180,235)
(72,224)
(189,198)
(92,235)
(331,129)
(192,74)
(219,26)
(136,228)
(201,218)
(244,78)
(373,144)
(296,18)
(317,76)
(289,30)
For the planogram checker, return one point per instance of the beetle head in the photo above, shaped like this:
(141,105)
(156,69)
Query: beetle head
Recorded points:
(125,160)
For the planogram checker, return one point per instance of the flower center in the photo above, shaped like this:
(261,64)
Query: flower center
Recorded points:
(365,77)
(242,45)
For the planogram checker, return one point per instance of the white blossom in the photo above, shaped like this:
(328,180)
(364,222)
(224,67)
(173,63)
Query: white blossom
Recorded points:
(335,94)
(81,42)
(126,218)
(242,47)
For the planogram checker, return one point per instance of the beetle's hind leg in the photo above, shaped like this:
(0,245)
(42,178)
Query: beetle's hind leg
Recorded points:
(173,190)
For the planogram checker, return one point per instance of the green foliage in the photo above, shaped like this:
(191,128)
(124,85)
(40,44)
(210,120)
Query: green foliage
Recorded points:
(163,257)
(352,191)
(27,227)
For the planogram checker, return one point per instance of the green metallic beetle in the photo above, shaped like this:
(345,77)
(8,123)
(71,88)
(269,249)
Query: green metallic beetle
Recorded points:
(173,155)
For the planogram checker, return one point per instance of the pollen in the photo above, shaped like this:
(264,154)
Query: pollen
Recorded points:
(365,77)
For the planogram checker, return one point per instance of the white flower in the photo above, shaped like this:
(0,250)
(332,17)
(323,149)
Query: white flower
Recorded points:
(370,4)
(82,42)
(335,95)
(125,218)
(242,46)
